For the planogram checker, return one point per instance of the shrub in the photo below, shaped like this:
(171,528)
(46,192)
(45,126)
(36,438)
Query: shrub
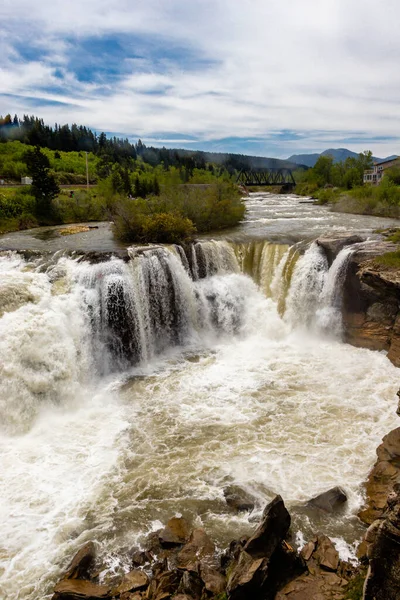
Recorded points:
(177,213)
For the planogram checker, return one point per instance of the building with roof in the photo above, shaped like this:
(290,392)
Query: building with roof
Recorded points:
(374,176)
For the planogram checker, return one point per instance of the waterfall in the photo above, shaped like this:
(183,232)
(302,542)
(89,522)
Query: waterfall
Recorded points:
(314,299)
(67,321)
(135,387)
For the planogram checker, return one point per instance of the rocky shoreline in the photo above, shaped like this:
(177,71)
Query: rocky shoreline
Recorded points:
(181,563)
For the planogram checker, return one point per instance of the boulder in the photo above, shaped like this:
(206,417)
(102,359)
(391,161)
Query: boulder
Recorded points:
(191,585)
(324,579)
(333,245)
(383,539)
(164,585)
(329,501)
(238,499)
(132,582)
(318,586)
(81,563)
(272,530)
(383,477)
(325,554)
(80,589)
(264,558)
(175,533)
(198,548)
(214,581)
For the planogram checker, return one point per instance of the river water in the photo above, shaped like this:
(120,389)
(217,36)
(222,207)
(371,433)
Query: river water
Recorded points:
(132,391)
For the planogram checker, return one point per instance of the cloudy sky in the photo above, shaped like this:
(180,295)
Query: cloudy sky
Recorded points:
(263,77)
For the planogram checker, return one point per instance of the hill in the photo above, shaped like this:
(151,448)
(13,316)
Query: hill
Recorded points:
(338,154)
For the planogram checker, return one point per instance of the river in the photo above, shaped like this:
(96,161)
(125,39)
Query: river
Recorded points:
(132,391)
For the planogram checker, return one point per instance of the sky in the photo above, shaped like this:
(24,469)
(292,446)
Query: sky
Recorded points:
(260,77)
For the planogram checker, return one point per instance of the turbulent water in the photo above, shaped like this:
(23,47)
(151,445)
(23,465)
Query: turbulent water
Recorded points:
(132,390)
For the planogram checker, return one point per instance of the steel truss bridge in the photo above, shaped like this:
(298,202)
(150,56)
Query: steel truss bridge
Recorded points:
(252,177)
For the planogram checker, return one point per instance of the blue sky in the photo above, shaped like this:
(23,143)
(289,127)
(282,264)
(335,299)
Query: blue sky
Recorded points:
(261,77)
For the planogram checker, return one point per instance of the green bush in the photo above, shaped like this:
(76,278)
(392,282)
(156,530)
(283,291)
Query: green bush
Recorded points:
(177,213)
(168,228)
(16,203)
(82,205)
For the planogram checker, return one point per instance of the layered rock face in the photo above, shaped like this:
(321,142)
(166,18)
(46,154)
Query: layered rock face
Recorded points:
(383,477)
(383,539)
(371,302)
(371,295)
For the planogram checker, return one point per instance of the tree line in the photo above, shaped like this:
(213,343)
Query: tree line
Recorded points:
(33,131)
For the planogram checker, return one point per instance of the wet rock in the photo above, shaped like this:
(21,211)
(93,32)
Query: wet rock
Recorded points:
(383,477)
(140,558)
(383,538)
(333,245)
(272,530)
(214,581)
(81,563)
(307,550)
(198,548)
(164,585)
(238,499)
(326,554)
(132,582)
(191,584)
(250,576)
(80,589)
(329,501)
(175,533)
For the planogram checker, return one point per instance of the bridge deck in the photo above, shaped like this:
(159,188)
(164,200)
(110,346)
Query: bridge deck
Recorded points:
(266,177)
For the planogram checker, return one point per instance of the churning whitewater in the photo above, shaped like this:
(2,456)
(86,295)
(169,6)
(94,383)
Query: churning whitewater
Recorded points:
(133,390)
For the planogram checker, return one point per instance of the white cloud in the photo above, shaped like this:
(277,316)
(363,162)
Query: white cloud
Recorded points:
(325,65)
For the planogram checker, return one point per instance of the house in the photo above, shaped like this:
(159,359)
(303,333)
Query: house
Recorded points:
(374,176)
(26,180)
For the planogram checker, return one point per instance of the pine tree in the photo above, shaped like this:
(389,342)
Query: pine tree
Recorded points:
(44,186)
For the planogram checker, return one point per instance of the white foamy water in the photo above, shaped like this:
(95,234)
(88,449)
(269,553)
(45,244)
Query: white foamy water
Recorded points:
(93,448)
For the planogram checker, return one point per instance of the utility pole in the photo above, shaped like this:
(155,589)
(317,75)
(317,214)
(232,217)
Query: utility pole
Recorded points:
(87,173)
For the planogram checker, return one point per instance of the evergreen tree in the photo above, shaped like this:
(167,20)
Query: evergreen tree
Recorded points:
(44,186)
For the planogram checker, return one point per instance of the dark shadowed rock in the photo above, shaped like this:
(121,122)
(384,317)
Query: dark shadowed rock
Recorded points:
(238,499)
(191,585)
(164,585)
(383,538)
(272,530)
(81,563)
(79,589)
(175,533)
(252,576)
(329,501)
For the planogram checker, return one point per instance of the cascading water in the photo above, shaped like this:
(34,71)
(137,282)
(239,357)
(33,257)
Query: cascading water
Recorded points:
(314,299)
(132,389)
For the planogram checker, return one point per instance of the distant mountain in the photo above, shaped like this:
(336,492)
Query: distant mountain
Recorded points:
(338,154)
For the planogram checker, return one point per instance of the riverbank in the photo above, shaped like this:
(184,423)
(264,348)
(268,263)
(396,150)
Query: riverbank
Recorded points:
(379,201)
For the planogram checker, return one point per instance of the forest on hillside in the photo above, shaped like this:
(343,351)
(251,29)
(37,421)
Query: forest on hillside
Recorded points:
(33,131)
